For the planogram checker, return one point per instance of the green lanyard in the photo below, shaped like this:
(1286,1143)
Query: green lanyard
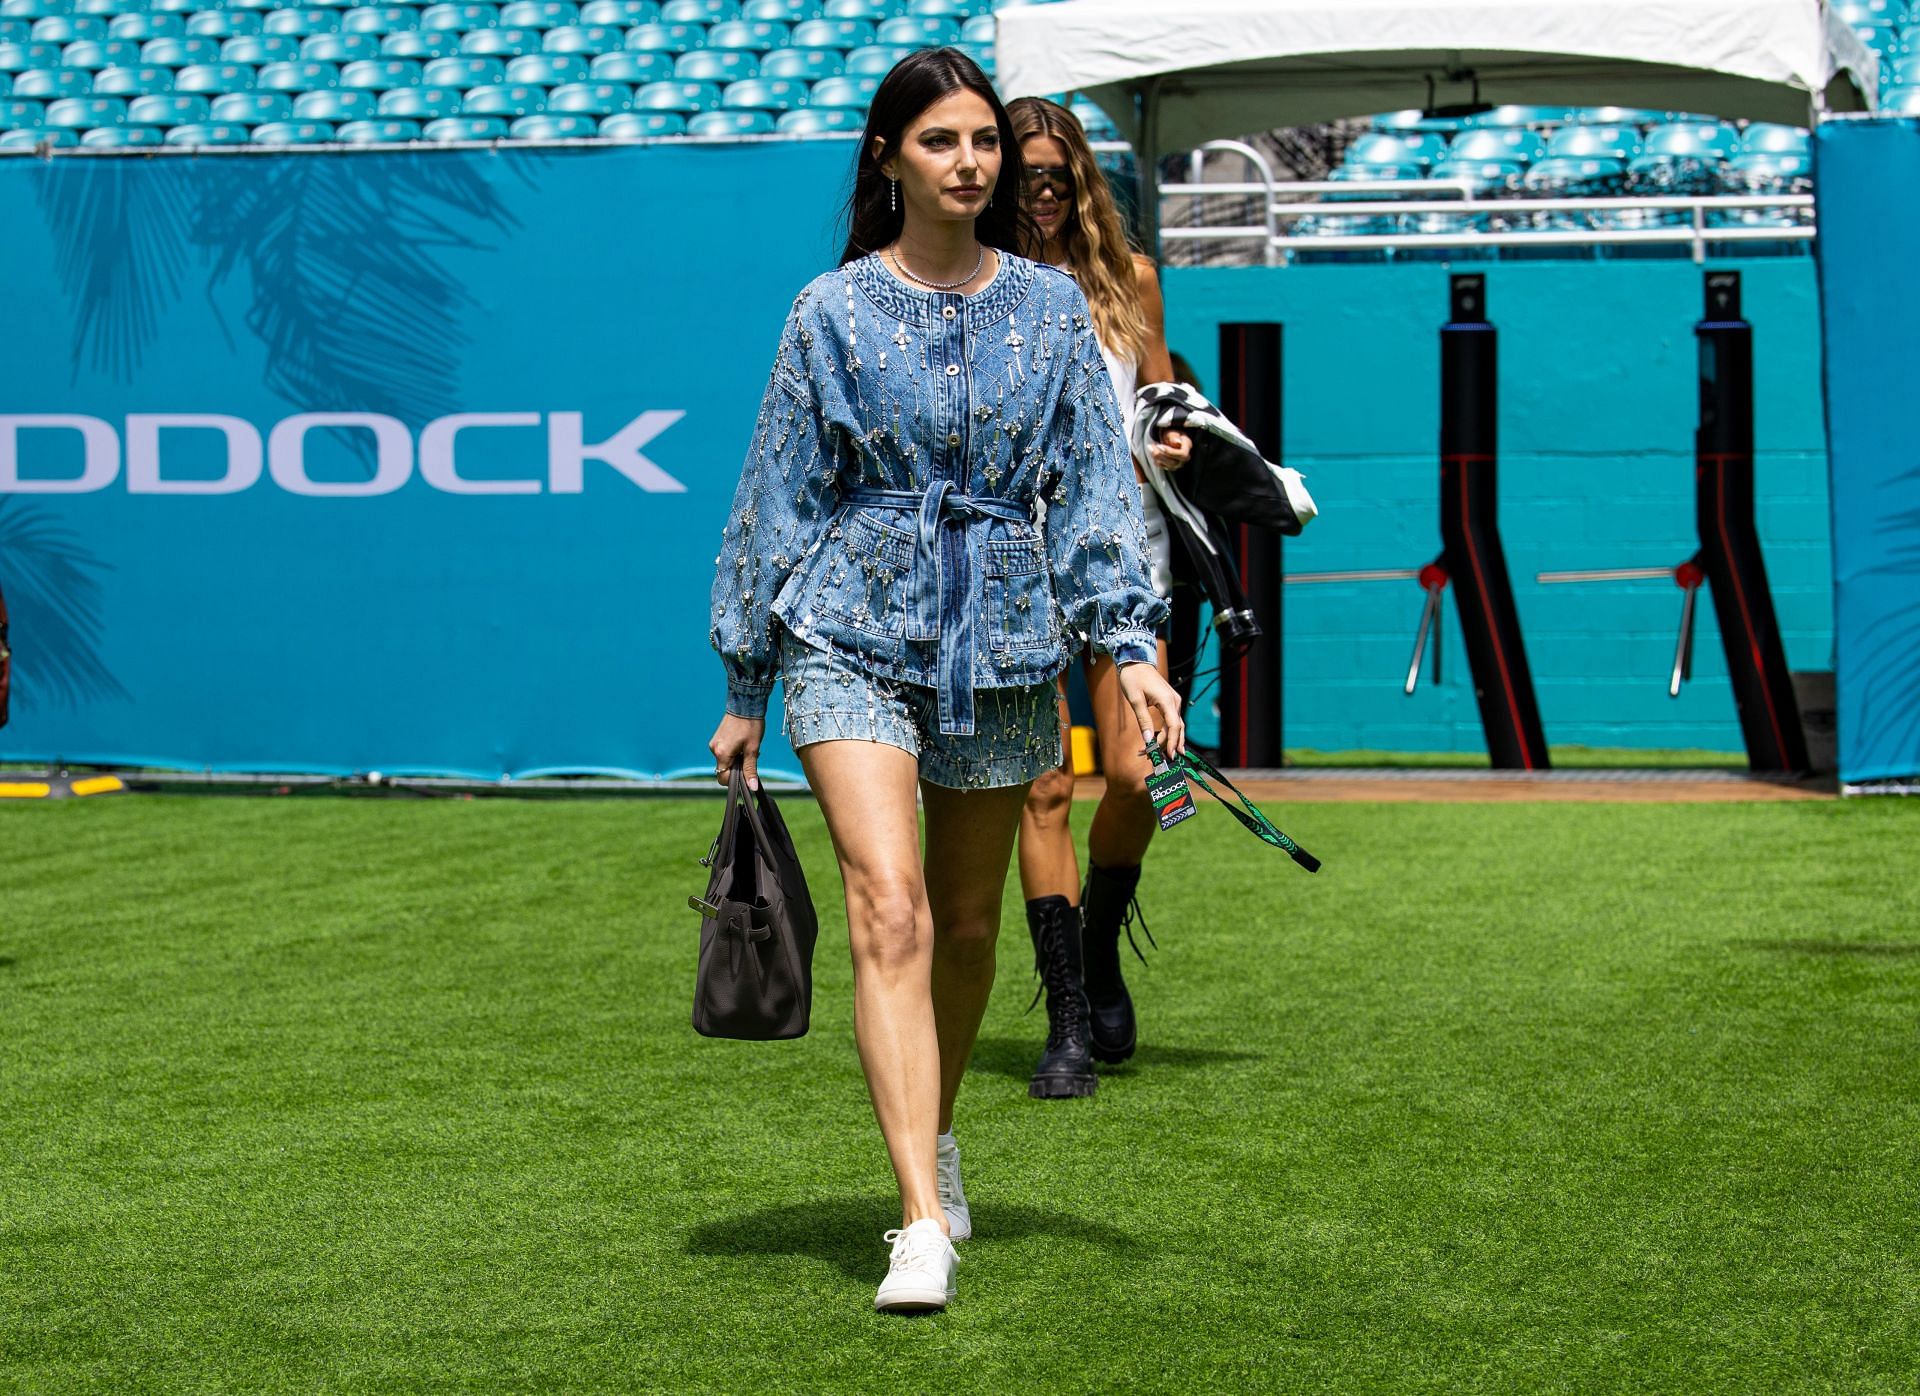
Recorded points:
(1200,768)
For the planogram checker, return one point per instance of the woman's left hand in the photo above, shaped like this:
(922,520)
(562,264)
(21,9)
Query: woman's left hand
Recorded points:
(1171,450)
(1156,707)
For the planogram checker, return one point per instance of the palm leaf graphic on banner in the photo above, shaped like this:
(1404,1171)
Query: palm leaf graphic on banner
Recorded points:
(1886,675)
(53,592)
(341,255)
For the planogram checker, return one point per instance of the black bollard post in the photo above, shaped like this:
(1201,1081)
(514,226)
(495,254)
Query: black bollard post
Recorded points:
(1475,562)
(1250,726)
(1729,541)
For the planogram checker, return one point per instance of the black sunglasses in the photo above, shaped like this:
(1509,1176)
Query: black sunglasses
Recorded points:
(1058,178)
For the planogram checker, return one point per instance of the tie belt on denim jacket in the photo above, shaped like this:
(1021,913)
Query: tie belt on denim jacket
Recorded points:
(941,608)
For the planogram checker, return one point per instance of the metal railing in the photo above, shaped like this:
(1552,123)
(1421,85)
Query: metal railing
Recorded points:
(1514,220)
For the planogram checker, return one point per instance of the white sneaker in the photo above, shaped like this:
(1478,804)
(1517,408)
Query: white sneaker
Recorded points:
(920,1275)
(953,1198)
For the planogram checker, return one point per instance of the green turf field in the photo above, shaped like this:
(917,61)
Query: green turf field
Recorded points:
(355,1095)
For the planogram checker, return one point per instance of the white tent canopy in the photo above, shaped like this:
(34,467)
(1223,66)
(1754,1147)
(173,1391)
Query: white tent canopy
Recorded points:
(1175,74)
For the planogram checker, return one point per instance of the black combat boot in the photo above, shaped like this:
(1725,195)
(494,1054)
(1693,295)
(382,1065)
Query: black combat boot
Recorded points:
(1065,1068)
(1107,907)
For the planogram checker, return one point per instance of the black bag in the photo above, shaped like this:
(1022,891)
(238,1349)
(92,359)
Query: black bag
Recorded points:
(755,979)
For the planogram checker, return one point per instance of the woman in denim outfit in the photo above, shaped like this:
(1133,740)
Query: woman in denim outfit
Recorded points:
(937,502)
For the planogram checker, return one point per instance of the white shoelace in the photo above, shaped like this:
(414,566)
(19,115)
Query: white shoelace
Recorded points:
(946,1169)
(912,1248)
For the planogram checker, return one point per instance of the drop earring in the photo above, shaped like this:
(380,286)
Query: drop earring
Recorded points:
(893,196)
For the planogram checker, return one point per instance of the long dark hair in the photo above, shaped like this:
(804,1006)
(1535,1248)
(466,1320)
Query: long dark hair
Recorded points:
(913,84)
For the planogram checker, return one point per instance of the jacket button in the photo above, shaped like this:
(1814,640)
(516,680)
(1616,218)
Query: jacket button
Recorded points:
(953,370)
(948,312)
(953,438)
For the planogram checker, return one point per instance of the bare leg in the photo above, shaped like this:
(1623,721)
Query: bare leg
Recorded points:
(969,841)
(866,791)
(1124,822)
(1048,867)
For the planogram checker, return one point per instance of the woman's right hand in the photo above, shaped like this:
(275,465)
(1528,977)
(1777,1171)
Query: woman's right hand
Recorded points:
(737,742)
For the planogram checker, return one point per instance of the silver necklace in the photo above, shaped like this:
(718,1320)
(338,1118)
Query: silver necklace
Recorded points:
(908,272)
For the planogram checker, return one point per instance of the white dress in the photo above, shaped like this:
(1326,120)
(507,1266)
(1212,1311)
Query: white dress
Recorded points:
(1125,374)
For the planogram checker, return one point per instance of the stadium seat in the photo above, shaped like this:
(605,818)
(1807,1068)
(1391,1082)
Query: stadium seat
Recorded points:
(1901,101)
(302,75)
(258,50)
(15,31)
(538,14)
(293,133)
(1484,175)
(180,53)
(222,24)
(1406,149)
(211,133)
(20,58)
(1603,142)
(123,137)
(462,72)
(340,48)
(855,94)
(1691,137)
(504,99)
(978,30)
(922,31)
(595,99)
(35,9)
(379,74)
(251,108)
(460,17)
(548,69)
(214,77)
(20,111)
(666,38)
(377,20)
(1576,176)
(547,127)
(48,83)
(873,60)
(85,113)
(632,68)
(421,45)
(1616,116)
(621,14)
(961,10)
(501,43)
(587,40)
(756,36)
(872,11)
(465,128)
(815,121)
(66,29)
(141,27)
(1521,116)
(132,81)
(420,103)
(168,109)
(1766,138)
(676,96)
(1683,158)
(716,65)
(95,54)
(730,123)
(1095,122)
(832,33)
(301,22)
(642,125)
(781,11)
(697,11)
(32,137)
(762,94)
(381,131)
(1900,72)
(806,65)
(1511,145)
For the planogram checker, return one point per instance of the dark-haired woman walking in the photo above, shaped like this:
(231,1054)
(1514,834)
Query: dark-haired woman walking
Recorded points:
(937,496)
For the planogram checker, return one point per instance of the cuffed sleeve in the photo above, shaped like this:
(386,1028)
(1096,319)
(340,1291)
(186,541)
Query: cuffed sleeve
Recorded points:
(787,492)
(1096,533)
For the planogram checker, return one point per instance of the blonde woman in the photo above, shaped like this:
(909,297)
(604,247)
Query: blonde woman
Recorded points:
(1076,932)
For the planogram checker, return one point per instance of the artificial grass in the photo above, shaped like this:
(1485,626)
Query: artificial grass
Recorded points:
(322,1094)
(1564,758)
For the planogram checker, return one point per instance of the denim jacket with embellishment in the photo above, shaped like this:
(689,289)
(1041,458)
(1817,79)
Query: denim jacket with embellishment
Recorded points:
(887,508)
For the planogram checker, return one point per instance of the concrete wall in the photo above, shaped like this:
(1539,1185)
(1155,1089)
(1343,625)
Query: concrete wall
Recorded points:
(1598,404)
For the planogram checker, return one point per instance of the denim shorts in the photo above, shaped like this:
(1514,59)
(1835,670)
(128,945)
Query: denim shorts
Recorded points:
(830,697)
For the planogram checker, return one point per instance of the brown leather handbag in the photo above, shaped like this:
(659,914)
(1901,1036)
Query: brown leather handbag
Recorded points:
(755,977)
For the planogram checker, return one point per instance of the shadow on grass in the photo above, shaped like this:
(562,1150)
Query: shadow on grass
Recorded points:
(1014,1056)
(7,962)
(1865,949)
(845,1231)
